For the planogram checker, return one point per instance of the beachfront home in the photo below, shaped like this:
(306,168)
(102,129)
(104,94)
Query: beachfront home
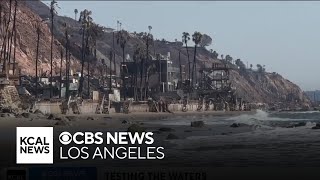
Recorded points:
(157,74)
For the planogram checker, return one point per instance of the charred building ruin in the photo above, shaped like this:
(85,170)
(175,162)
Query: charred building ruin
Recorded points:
(144,78)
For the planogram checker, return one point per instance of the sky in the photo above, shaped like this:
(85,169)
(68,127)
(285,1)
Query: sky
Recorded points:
(284,36)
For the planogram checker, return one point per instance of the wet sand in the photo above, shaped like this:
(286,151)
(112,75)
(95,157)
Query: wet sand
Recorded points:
(112,120)
(214,145)
(113,123)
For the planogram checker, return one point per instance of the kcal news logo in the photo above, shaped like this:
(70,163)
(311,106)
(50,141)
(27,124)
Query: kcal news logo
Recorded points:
(34,145)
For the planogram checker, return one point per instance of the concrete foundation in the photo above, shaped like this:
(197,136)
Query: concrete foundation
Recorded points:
(90,107)
(54,108)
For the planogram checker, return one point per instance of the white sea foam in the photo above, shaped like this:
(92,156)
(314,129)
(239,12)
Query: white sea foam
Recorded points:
(260,119)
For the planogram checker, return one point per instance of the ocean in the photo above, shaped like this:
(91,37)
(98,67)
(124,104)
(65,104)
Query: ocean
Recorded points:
(262,139)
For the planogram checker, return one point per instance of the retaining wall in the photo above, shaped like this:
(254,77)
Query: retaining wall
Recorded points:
(54,107)
(90,107)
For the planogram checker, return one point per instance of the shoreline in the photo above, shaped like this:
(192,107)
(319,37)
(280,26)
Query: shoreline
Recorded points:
(114,123)
(167,114)
(209,145)
(113,120)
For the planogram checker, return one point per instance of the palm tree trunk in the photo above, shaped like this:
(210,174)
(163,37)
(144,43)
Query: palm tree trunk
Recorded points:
(0,17)
(9,35)
(13,30)
(7,43)
(110,73)
(123,59)
(4,35)
(88,92)
(15,37)
(189,64)
(5,54)
(82,63)
(141,77)
(146,88)
(37,59)
(103,74)
(67,66)
(60,84)
(88,73)
(180,68)
(136,81)
(51,55)
(160,73)
(114,58)
(194,64)
(123,78)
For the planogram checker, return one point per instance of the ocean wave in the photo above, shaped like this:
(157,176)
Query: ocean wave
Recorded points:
(264,119)
(259,120)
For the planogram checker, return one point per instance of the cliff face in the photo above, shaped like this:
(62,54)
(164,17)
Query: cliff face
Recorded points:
(27,22)
(268,88)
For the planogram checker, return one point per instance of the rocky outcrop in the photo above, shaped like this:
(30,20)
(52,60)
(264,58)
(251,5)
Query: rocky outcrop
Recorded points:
(197,124)
(267,88)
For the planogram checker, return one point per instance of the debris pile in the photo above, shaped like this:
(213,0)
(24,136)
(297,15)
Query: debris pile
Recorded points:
(9,100)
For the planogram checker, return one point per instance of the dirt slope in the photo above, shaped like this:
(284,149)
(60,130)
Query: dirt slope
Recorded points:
(268,88)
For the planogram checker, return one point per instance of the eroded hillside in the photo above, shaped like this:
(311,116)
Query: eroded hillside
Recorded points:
(27,22)
(260,87)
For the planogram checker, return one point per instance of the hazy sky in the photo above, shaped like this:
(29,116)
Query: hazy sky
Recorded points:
(284,36)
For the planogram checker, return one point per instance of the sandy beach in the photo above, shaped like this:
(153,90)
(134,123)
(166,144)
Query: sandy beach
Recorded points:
(260,139)
(115,122)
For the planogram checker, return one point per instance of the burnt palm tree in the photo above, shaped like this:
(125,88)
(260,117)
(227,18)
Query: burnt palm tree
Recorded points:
(137,61)
(75,14)
(151,69)
(185,39)
(6,30)
(37,56)
(8,45)
(140,66)
(110,73)
(37,52)
(86,21)
(15,37)
(61,60)
(53,6)
(196,38)
(147,37)
(2,27)
(122,38)
(67,60)
(5,24)
(94,31)
(13,29)
(180,70)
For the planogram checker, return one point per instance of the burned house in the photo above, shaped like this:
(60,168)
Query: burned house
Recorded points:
(215,78)
(215,87)
(145,77)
